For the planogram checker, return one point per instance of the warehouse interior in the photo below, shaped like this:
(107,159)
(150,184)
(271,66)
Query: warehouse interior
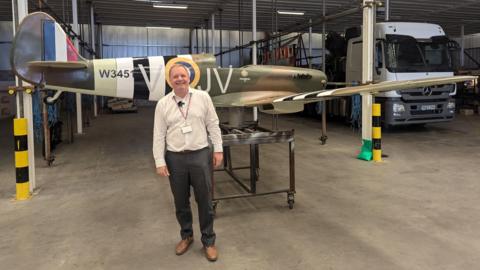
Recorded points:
(95,200)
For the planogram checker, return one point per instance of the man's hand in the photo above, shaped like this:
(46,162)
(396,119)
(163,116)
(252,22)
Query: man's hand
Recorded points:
(163,171)
(217,159)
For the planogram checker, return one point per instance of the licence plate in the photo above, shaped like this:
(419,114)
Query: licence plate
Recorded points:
(428,107)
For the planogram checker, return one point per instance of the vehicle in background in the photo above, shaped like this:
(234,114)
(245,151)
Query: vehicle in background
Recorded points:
(407,51)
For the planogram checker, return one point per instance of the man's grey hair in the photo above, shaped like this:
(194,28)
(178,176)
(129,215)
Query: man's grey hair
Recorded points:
(182,66)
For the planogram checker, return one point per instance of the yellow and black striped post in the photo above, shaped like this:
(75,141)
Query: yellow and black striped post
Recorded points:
(376,132)
(21,158)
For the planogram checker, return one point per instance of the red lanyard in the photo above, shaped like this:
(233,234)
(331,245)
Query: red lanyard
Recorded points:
(184,115)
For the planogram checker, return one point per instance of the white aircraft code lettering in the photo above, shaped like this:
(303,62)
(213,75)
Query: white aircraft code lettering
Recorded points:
(223,87)
(112,73)
(147,81)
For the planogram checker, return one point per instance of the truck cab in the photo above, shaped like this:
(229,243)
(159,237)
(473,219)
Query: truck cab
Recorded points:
(407,51)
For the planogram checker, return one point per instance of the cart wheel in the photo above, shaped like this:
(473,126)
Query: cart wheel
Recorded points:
(290,200)
(290,204)
(323,139)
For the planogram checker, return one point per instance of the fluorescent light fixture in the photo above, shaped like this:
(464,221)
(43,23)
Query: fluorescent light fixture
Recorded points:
(148,1)
(159,27)
(172,6)
(291,12)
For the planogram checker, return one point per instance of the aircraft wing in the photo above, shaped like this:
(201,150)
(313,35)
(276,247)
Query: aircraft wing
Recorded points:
(372,88)
(294,103)
(249,99)
(58,64)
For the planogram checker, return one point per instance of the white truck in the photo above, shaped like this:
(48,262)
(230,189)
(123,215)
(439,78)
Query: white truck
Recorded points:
(405,51)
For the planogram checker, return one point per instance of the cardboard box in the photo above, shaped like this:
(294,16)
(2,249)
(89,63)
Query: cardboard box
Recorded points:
(466,112)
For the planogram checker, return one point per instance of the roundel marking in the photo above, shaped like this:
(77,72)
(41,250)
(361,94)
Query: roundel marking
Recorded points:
(189,64)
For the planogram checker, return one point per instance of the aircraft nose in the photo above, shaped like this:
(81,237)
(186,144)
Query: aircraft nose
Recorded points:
(319,77)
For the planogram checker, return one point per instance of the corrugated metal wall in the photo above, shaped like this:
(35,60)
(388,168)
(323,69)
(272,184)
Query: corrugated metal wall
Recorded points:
(6,35)
(123,41)
(472,48)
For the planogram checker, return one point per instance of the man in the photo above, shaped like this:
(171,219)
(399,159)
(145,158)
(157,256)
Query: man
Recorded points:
(180,148)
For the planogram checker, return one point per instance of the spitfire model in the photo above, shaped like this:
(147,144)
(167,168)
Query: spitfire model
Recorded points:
(43,55)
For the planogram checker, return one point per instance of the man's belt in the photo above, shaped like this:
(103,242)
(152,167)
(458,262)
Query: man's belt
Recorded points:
(188,151)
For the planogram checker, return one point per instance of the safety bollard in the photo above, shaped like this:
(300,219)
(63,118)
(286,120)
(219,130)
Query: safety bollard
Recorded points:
(21,159)
(376,133)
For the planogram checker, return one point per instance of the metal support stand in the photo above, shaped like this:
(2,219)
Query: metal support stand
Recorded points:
(48,156)
(324,137)
(254,137)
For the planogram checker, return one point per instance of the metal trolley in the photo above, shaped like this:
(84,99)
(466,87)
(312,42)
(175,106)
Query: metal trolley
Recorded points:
(254,137)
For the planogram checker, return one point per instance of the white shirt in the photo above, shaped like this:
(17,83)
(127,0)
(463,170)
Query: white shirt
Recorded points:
(169,120)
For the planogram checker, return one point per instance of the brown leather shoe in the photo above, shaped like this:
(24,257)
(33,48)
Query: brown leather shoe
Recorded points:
(211,253)
(183,245)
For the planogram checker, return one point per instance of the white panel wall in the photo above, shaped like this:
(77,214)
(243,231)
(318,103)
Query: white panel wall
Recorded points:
(471,41)
(230,39)
(472,47)
(6,35)
(7,107)
(123,41)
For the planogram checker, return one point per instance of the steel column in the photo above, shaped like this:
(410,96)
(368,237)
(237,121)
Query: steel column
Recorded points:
(387,10)
(19,11)
(323,137)
(78,96)
(367,76)
(254,47)
(462,45)
(213,33)
(310,44)
(92,44)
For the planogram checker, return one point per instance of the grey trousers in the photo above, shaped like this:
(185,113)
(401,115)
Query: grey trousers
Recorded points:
(195,169)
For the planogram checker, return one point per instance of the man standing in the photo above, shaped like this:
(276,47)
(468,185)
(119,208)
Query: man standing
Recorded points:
(180,148)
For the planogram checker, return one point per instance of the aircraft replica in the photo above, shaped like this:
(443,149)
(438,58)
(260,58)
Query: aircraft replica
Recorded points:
(43,55)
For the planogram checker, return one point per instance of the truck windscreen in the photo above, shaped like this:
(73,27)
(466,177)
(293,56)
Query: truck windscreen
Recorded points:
(407,54)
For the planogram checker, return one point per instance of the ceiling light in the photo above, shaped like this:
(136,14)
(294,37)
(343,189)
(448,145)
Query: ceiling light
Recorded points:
(159,27)
(290,12)
(173,6)
(148,1)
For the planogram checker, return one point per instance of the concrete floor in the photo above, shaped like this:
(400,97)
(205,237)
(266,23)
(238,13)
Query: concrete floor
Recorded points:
(101,206)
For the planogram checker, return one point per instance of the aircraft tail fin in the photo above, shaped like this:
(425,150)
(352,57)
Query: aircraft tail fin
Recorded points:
(40,38)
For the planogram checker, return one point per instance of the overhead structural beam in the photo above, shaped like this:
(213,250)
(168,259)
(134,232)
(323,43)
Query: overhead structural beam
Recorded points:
(217,8)
(296,29)
(324,18)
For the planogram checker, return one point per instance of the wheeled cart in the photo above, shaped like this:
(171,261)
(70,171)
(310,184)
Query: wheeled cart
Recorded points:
(254,137)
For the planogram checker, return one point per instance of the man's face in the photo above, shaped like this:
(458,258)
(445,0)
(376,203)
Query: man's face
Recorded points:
(179,78)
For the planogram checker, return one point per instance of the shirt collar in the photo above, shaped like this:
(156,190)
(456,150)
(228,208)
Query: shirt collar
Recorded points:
(190,91)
